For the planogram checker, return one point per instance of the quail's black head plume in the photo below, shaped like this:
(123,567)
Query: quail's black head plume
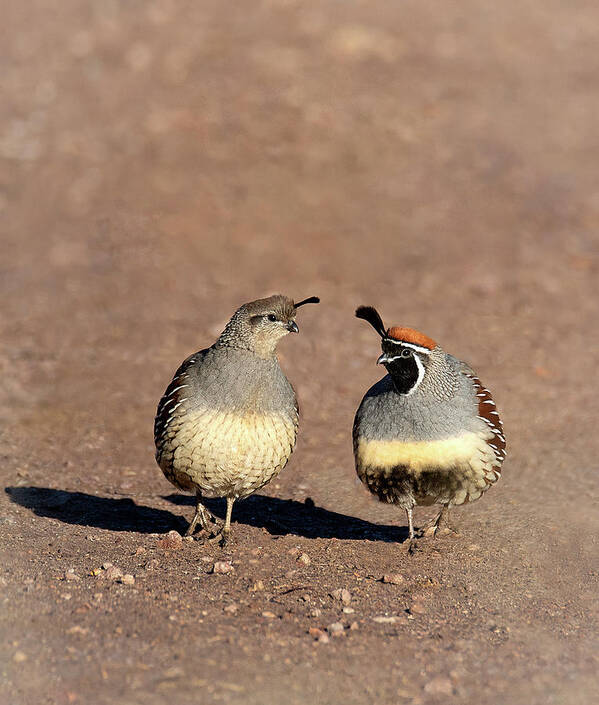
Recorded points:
(309,300)
(370,314)
(391,338)
(227,422)
(429,431)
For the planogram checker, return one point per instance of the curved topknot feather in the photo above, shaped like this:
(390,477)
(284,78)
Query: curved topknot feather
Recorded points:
(370,314)
(309,300)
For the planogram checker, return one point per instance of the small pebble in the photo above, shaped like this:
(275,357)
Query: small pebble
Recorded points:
(19,657)
(319,635)
(418,608)
(294,551)
(335,629)
(127,579)
(269,615)
(342,595)
(304,558)
(394,579)
(348,610)
(106,565)
(257,586)
(70,575)
(78,630)
(384,620)
(223,567)
(315,612)
(354,625)
(113,573)
(232,608)
(173,540)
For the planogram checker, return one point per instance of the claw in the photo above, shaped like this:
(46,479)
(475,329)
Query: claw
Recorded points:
(222,538)
(429,531)
(202,516)
(413,547)
(437,526)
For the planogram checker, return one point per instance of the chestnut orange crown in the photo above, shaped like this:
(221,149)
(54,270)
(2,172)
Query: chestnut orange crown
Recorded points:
(397,334)
(409,335)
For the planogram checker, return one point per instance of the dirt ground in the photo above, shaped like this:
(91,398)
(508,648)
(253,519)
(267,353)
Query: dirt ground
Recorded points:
(163,162)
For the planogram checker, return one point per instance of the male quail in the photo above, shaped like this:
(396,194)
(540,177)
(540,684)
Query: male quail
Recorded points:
(227,422)
(428,432)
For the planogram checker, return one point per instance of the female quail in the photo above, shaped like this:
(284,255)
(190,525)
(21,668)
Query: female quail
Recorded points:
(227,422)
(428,432)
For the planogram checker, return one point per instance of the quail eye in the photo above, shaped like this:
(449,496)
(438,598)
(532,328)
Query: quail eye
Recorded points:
(271,317)
(406,353)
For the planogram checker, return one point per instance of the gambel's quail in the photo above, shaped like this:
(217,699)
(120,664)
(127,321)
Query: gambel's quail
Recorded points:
(428,432)
(227,422)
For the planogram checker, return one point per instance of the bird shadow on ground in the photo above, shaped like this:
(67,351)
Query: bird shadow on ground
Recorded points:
(288,516)
(277,516)
(122,514)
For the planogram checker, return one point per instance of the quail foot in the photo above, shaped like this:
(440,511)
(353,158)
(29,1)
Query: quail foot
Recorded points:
(428,432)
(227,422)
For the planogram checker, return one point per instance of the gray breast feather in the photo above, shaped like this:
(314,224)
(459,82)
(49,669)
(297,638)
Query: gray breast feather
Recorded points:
(386,415)
(236,380)
(228,380)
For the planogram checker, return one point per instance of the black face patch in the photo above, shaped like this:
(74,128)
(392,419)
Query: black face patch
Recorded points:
(404,371)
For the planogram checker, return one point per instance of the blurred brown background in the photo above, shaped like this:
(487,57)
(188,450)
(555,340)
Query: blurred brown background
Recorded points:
(161,163)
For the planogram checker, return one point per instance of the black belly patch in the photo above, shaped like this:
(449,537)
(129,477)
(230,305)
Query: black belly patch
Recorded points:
(399,483)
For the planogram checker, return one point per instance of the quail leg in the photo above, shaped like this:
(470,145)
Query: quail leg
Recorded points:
(410,522)
(202,515)
(223,535)
(432,528)
(412,543)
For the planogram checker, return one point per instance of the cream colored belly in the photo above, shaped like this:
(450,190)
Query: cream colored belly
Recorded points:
(225,454)
(455,470)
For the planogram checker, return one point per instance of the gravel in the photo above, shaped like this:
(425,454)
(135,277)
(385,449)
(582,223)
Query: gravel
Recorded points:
(223,567)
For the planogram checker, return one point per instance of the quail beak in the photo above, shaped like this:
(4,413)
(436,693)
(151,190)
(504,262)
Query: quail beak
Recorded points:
(382,359)
(292,327)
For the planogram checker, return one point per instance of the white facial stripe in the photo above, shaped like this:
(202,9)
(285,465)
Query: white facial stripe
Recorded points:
(420,375)
(418,348)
